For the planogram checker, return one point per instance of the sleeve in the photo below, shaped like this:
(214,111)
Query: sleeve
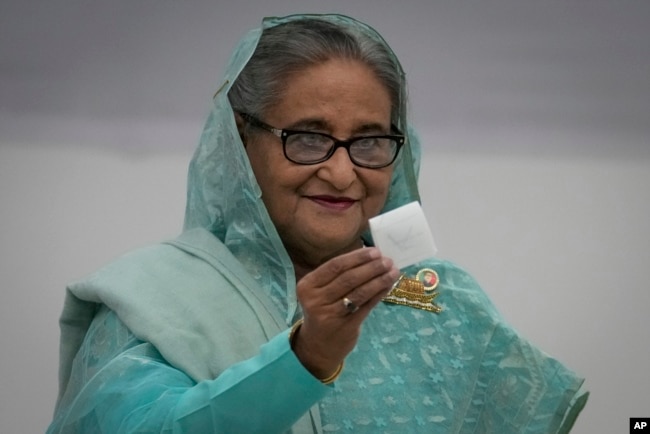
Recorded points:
(122,385)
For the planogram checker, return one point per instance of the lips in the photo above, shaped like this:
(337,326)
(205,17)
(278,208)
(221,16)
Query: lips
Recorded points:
(340,203)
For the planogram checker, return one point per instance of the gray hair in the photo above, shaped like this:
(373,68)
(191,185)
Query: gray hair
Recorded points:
(293,46)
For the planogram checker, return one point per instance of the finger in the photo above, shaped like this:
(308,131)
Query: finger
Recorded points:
(372,290)
(366,279)
(363,310)
(337,266)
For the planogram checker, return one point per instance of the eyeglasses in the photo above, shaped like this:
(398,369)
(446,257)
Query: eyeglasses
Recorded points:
(309,147)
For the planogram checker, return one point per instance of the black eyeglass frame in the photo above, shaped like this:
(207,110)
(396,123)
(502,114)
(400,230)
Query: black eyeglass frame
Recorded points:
(284,134)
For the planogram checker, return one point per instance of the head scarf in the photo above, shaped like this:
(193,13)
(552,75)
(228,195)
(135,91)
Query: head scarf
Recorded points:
(224,197)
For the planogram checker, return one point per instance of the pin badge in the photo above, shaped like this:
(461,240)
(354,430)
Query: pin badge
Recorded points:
(418,293)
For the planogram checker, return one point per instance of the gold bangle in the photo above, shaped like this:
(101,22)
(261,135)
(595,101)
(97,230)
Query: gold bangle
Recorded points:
(292,337)
(332,378)
(294,329)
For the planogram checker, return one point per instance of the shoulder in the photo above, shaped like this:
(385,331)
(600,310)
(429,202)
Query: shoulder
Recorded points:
(189,256)
(179,296)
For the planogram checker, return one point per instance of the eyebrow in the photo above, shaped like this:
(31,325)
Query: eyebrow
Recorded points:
(319,125)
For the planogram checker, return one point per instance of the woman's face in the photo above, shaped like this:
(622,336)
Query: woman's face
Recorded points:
(321,210)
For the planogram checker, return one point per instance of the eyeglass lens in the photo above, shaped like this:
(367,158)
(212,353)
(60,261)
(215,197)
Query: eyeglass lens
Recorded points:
(314,147)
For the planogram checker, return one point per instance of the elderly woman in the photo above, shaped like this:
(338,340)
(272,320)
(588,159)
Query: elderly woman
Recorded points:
(270,312)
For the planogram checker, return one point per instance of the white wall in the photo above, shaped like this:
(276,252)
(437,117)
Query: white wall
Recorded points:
(535,121)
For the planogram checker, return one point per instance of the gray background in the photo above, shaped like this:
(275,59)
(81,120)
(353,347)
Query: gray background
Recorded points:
(535,118)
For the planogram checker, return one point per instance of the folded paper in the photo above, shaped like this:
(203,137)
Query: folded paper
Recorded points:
(403,235)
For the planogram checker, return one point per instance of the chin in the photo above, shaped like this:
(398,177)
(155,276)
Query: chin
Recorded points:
(323,240)
(337,244)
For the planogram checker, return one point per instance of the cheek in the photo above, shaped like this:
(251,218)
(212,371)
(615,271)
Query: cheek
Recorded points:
(264,162)
(279,180)
(262,166)
(377,186)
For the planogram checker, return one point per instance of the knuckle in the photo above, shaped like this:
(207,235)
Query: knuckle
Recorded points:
(336,266)
(347,281)
(387,280)
(379,267)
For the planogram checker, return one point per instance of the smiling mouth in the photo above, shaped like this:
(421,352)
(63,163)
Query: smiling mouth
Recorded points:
(332,202)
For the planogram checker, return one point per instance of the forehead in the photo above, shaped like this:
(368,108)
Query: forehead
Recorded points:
(338,93)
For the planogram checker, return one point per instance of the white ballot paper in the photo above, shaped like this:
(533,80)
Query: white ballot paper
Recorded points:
(403,235)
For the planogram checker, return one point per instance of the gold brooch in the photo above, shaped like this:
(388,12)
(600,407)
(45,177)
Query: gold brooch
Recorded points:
(418,293)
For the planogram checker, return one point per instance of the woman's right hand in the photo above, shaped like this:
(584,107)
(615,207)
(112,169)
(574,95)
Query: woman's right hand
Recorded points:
(330,330)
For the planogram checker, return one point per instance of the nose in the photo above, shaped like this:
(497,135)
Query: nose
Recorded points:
(338,170)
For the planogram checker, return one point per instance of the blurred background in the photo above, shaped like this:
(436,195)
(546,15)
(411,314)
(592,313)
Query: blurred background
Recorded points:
(535,120)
